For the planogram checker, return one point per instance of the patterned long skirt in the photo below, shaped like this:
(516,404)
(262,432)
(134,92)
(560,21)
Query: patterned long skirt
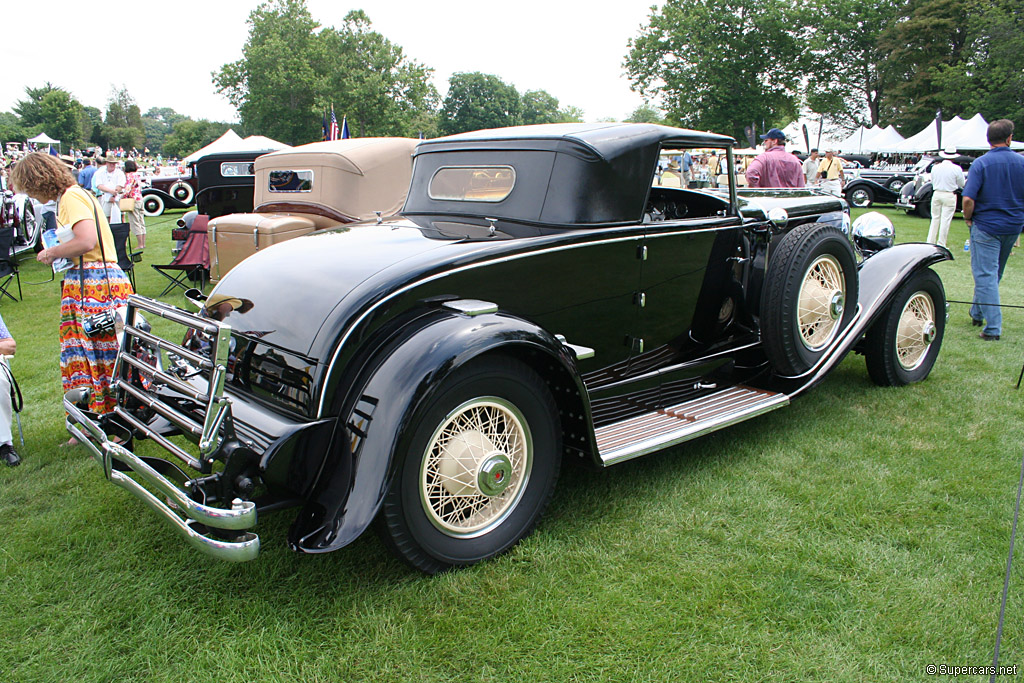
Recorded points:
(89,361)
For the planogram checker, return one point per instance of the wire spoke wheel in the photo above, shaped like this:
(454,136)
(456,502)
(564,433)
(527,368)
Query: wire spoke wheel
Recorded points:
(902,345)
(821,302)
(915,331)
(480,466)
(476,466)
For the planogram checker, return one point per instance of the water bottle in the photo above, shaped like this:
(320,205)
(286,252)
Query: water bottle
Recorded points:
(967,244)
(52,238)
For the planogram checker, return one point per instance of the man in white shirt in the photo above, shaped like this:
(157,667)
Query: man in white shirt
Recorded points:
(110,180)
(811,168)
(947,178)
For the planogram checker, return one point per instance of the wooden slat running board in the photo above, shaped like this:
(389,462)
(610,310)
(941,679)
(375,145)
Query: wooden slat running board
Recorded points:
(665,427)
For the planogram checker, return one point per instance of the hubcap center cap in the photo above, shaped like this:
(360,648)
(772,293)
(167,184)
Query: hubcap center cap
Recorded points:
(928,333)
(494,475)
(836,306)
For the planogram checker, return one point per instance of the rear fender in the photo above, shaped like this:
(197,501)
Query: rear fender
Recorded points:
(401,381)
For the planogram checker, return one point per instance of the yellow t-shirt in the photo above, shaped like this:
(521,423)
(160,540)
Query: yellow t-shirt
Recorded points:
(831,168)
(78,205)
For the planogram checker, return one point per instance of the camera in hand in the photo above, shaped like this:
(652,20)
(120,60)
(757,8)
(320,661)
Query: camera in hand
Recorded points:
(100,323)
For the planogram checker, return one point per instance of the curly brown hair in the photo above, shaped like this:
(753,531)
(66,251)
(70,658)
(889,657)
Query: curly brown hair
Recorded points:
(41,176)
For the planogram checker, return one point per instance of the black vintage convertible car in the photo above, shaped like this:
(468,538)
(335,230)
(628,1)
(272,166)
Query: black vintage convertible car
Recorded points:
(538,299)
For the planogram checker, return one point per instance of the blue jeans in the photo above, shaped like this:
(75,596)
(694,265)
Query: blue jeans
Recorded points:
(988,259)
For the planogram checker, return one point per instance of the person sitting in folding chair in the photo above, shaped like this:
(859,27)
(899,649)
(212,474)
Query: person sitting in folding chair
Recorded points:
(7,348)
(192,262)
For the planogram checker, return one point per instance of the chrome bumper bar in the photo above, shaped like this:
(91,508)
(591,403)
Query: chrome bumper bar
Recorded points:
(105,451)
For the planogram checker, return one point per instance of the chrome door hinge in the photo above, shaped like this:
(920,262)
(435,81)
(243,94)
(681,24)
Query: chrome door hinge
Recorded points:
(640,299)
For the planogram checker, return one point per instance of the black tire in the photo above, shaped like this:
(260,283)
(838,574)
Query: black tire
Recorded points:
(415,521)
(924,207)
(860,197)
(29,231)
(919,311)
(795,336)
(181,191)
(152,205)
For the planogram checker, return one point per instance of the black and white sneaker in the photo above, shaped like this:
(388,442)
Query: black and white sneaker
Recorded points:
(9,456)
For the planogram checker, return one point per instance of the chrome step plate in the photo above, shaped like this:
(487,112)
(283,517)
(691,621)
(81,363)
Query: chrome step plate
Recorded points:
(666,427)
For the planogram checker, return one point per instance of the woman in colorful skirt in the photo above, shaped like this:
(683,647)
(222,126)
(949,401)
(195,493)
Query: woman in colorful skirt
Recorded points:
(95,284)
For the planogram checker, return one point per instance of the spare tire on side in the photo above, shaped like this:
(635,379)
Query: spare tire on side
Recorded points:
(810,296)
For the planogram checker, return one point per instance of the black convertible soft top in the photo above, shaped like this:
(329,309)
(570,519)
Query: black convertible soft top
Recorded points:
(566,173)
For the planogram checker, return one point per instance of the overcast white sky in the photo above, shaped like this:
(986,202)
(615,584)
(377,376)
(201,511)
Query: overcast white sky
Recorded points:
(165,53)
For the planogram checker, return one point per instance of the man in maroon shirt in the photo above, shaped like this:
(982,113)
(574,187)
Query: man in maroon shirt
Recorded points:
(775,168)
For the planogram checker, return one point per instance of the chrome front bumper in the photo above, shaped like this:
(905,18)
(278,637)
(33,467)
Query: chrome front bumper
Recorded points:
(196,522)
(105,451)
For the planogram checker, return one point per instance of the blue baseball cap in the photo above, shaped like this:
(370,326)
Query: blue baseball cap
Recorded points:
(775,134)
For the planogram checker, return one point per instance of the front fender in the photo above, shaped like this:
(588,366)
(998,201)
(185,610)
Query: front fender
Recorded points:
(384,401)
(880,278)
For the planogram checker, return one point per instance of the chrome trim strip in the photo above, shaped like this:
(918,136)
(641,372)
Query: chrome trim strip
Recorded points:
(241,516)
(692,430)
(634,237)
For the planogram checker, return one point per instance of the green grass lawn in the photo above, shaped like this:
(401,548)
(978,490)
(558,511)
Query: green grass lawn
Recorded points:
(857,535)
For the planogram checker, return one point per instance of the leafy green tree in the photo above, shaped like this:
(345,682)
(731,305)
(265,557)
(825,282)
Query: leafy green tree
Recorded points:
(476,101)
(372,82)
(645,113)
(720,64)
(844,62)
(189,136)
(91,125)
(988,78)
(275,84)
(53,111)
(570,114)
(158,122)
(540,106)
(11,129)
(929,36)
(123,123)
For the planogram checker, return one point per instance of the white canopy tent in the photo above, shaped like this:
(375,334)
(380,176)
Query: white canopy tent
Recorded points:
(965,136)
(886,140)
(860,141)
(233,142)
(43,139)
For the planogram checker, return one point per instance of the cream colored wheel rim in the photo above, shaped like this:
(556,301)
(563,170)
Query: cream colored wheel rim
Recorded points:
(475,467)
(821,302)
(916,331)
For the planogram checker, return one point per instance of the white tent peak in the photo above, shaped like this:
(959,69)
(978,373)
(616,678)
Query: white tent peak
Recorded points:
(233,142)
(43,139)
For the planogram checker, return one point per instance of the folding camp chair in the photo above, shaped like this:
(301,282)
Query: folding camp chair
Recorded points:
(8,264)
(126,258)
(192,262)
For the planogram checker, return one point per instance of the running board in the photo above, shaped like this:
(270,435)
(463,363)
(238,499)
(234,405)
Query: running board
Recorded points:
(666,427)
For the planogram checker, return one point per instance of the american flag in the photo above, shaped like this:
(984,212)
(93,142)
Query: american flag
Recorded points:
(334,132)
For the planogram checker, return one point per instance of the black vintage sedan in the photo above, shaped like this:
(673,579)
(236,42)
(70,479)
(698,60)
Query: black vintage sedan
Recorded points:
(538,299)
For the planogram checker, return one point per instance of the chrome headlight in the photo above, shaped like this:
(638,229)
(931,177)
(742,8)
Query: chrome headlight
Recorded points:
(873,232)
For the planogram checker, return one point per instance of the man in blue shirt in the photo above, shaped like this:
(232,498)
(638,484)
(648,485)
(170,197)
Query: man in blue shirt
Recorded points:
(993,202)
(86,174)
(687,163)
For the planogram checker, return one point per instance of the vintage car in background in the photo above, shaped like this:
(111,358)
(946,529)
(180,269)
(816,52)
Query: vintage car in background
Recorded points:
(863,192)
(226,181)
(160,193)
(537,299)
(916,196)
(311,187)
